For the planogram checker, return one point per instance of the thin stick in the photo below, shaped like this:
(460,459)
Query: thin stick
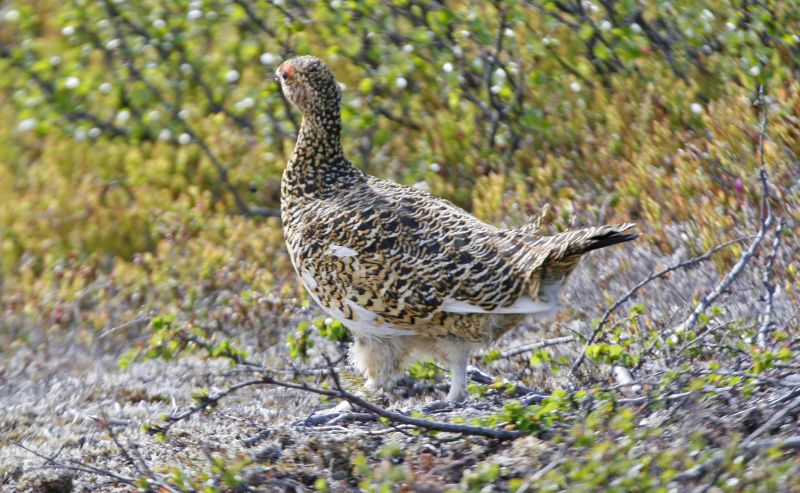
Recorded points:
(767,324)
(627,296)
(774,420)
(699,471)
(77,466)
(766,222)
(536,345)
(340,393)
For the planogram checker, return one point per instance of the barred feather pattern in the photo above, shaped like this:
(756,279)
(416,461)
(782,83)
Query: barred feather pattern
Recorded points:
(389,260)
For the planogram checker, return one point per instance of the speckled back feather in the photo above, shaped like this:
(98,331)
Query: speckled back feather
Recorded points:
(391,260)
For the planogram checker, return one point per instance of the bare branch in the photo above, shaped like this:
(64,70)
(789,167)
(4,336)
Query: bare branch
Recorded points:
(536,345)
(627,296)
(767,324)
(500,434)
(701,470)
(774,420)
(766,223)
(71,465)
(222,170)
(339,393)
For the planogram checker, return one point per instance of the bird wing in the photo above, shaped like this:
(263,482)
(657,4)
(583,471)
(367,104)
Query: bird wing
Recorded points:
(388,254)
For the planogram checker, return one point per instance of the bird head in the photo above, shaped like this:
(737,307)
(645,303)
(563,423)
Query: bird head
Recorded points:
(309,84)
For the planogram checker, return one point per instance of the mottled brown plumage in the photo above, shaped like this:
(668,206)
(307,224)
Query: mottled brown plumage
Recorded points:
(404,270)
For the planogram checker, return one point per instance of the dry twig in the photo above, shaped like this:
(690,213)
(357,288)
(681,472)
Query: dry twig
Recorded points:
(767,324)
(699,471)
(205,402)
(536,345)
(627,296)
(766,223)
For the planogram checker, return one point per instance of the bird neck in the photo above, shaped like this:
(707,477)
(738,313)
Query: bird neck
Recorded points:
(318,162)
(322,131)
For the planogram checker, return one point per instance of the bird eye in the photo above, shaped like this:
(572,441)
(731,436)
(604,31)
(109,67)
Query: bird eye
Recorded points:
(285,75)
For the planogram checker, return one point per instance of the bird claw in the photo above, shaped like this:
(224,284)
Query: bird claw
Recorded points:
(442,405)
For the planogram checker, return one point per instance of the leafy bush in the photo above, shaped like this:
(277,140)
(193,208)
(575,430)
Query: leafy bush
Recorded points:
(141,146)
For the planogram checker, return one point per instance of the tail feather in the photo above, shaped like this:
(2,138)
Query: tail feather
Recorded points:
(555,257)
(600,238)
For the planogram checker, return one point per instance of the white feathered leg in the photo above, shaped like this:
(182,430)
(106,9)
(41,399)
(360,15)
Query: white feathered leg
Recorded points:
(456,353)
(379,359)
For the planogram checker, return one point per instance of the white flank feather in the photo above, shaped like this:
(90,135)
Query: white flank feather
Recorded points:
(523,305)
(342,251)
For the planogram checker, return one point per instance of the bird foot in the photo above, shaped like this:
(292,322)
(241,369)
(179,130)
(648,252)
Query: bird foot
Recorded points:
(442,405)
(326,415)
(383,392)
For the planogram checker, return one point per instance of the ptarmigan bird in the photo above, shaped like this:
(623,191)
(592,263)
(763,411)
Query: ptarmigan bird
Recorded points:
(408,273)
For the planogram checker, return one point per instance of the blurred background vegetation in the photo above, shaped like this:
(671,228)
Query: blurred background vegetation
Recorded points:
(143,142)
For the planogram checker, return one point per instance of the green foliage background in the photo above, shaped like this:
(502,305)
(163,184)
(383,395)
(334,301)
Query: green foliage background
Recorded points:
(119,116)
(141,143)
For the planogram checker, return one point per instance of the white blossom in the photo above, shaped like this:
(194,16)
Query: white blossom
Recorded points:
(194,14)
(12,15)
(105,87)
(245,104)
(401,82)
(186,68)
(80,134)
(499,75)
(123,116)
(755,70)
(575,87)
(184,139)
(696,108)
(706,15)
(159,23)
(68,30)
(447,67)
(232,76)
(636,28)
(434,167)
(730,26)
(94,133)
(27,125)
(408,48)
(165,135)
(72,82)
(268,58)
(55,60)
(422,185)
(113,44)
(605,25)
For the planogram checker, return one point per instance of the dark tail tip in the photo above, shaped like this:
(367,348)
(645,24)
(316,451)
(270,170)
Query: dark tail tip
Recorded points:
(610,235)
